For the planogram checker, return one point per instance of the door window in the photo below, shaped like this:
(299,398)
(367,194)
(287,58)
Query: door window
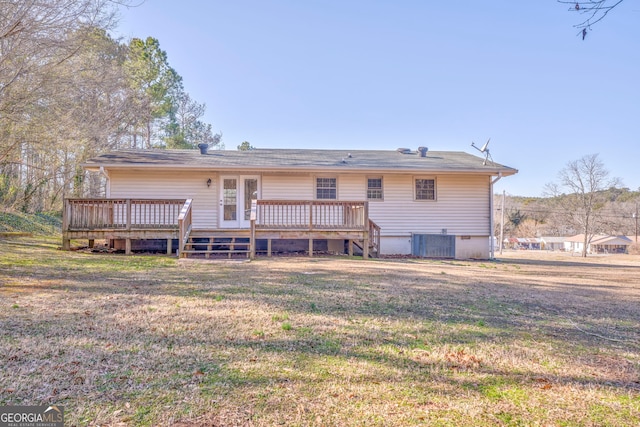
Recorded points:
(230,198)
(250,193)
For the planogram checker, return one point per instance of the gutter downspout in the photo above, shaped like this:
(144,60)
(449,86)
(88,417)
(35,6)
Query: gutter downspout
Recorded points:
(491,230)
(104,173)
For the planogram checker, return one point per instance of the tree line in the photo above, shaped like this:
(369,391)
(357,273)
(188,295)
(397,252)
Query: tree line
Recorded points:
(69,91)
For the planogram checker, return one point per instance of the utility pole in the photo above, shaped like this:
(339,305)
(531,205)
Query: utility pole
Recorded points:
(502,224)
(635,216)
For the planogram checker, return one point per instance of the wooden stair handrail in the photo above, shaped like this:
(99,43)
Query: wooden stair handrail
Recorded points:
(185,225)
(374,237)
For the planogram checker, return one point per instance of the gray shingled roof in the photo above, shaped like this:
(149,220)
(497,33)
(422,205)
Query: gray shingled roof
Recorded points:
(300,159)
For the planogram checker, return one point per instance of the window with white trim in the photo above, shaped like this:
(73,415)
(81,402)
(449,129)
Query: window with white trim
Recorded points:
(374,188)
(326,188)
(425,189)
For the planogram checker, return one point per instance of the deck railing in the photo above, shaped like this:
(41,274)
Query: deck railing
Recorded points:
(311,215)
(132,219)
(121,214)
(185,224)
(374,237)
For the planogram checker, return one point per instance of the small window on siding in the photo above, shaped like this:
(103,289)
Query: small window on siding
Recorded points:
(326,188)
(425,189)
(374,189)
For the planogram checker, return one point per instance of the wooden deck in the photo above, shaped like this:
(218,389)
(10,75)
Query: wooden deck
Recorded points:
(314,219)
(170,219)
(120,219)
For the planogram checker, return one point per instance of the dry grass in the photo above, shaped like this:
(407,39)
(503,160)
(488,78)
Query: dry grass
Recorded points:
(532,339)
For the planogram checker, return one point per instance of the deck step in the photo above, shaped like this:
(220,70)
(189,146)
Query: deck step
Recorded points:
(197,245)
(373,253)
(221,234)
(215,243)
(191,243)
(215,252)
(218,236)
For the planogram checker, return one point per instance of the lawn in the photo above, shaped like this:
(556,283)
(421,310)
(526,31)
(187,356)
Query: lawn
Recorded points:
(530,339)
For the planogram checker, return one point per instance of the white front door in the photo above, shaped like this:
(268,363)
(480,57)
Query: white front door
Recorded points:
(236,193)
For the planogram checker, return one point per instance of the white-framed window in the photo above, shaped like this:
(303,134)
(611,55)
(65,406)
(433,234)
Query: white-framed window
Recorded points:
(425,188)
(374,188)
(326,188)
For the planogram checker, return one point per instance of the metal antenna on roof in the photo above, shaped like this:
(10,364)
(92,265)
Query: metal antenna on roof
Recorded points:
(485,150)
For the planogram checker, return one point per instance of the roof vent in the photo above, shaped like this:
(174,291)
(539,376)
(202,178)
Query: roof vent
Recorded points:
(423,151)
(404,150)
(203,148)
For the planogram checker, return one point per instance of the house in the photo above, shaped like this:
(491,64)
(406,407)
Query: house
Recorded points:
(530,243)
(599,244)
(552,243)
(510,243)
(425,203)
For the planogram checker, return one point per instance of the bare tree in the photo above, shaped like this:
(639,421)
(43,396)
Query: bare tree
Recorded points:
(34,43)
(90,115)
(582,184)
(39,41)
(593,10)
(68,91)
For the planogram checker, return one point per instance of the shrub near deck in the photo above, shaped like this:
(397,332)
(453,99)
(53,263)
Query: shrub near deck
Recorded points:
(145,340)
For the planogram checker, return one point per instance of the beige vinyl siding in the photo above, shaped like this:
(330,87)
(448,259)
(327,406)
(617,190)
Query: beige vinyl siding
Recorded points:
(302,187)
(352,187)
(288,187)
(461,206)
(171,185)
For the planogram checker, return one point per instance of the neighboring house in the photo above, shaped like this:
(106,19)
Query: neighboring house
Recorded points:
(426,203)
(529,243)
(552,243)
(510,243)
(599,244)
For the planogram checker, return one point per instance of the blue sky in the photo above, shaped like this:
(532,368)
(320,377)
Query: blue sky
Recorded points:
(358,74)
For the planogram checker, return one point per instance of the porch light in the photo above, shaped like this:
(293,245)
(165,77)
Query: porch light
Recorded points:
(209,182)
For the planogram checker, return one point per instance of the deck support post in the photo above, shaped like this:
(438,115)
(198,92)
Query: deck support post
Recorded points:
(66,215)
(365,247)
(253,216)
(269,247)
(209,247)
(350,247)
(310,247)
(252,238)
(169,246)
(365,234)
(92,243)
(127,246)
